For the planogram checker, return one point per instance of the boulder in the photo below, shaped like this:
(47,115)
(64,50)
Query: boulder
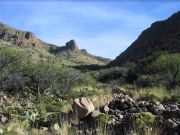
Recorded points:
(82,107)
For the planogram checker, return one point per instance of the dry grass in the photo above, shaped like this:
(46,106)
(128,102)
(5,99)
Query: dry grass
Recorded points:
(160,92)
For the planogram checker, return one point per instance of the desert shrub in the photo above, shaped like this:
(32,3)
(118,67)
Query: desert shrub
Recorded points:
(14,110)
(142,120)
(103,118)
(40,76)
(148,80)
(11,61)
(168,67)
(110,74)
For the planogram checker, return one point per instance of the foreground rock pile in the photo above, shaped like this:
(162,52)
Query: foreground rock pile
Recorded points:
(122,108)
(167,114)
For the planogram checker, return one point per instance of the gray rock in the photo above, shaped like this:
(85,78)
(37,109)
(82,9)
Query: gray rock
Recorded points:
(174,107)
(161,107)
(112,121)
(143,103)
(120,116)
(128,98)
(171,123)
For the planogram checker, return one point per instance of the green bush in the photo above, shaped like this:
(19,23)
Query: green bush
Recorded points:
(103,118)
(142,120)
(168,67)
(148,81)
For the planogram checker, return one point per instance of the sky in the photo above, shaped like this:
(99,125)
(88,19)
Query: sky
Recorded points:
(102,27)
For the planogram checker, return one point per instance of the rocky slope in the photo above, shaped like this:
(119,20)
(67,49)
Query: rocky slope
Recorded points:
(70,52)
(161,36)
(17,37)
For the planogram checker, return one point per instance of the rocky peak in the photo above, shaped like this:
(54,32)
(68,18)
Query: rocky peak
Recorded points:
(175,16)
(71,45)
(17,37)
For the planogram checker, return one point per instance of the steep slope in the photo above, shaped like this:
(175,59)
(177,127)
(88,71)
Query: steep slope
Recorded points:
(161,36)
(67,55)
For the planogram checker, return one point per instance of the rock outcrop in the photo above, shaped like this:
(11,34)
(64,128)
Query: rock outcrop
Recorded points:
(161,36)
(71,45)
(17,37)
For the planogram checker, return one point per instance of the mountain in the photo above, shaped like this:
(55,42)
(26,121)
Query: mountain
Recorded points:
(161,36)
(69,54)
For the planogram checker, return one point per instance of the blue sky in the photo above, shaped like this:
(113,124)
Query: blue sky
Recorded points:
(104,28)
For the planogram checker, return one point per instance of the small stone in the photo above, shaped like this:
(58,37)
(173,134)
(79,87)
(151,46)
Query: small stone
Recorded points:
(112,121)
(111,112)
(106,109)
(161,107)
(120,116)
(174,107)
(128,98)
(171,123)
(143,104)
(157,103)
(44,129)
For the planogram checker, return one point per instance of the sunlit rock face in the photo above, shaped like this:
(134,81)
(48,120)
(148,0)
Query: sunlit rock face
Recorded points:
(18,37)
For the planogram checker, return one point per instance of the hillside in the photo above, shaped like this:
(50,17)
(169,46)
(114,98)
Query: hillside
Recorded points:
(69,54)
(161,36)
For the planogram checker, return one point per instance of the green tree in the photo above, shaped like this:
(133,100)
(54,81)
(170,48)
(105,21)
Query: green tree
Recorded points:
(10,66)
(168,66)
(40,76)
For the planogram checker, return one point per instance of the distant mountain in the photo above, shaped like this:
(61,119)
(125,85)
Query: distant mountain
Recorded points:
(161,36)
(70,53)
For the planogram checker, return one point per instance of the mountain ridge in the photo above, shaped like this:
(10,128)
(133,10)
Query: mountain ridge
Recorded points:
(160,36)
(26,39)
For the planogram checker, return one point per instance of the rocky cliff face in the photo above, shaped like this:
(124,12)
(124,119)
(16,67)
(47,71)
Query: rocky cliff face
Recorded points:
(17,37)
(161,36)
